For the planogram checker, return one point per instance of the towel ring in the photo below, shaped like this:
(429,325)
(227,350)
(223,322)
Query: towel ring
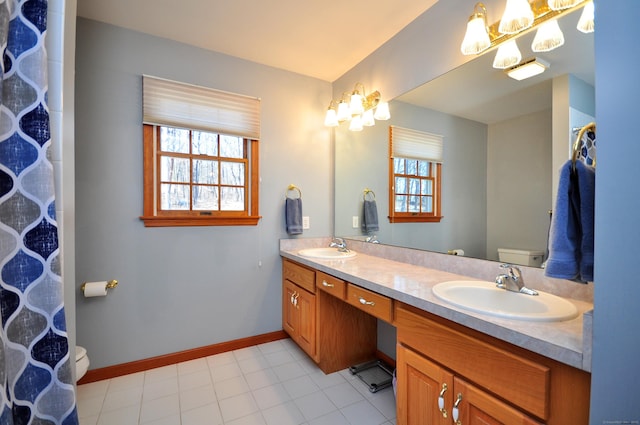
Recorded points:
(293,187)
(578,143)
(369,192)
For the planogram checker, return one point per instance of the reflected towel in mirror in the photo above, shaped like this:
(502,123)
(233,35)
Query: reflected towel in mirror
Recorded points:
(370,216)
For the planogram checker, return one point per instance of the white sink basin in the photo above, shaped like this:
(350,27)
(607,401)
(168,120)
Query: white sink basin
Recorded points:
(484,297)
(326,253)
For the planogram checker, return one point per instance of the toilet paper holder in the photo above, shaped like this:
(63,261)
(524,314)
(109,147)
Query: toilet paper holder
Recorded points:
(110,285)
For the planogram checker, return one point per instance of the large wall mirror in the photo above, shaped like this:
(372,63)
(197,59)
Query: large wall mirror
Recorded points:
(504,141)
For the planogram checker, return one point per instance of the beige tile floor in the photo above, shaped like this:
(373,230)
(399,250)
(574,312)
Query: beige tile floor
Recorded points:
(267,384)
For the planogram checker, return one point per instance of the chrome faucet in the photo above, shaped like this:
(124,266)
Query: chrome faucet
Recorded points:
(372,239)
(340,244)
(513,280)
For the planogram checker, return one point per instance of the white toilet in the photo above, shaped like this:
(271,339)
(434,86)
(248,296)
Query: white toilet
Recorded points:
(82,362)
(522,257)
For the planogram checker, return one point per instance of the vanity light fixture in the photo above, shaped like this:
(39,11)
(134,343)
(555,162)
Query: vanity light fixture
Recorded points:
(527,69)
(586,21)
(508,55)
(562,4)
(522,16)
(517,16)
(476,38)
(548,37)
(358,108)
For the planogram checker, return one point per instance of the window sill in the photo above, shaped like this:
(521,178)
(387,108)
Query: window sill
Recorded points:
(199,221)
(409,219)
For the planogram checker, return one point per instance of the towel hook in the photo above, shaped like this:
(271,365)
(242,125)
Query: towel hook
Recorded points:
(293,187)
(370,192)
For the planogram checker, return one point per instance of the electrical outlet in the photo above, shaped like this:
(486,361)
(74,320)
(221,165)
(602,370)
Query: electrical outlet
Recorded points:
(305,221)
(354,221)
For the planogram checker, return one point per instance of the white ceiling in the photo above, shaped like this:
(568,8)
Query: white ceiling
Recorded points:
(318,38)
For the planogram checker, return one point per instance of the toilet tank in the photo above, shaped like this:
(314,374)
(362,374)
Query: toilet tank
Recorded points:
(522,257)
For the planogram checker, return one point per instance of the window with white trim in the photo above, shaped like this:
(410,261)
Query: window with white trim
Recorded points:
(415,176)
(200,155)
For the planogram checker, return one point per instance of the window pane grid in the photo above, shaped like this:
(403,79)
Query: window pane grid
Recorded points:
(414,186)
(201,171)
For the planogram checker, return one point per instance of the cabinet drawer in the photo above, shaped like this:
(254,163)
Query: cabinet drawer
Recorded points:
(375,304)
(300,275)
(331,285)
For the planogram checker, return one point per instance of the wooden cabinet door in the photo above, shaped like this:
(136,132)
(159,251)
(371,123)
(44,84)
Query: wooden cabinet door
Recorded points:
(306,306)
(477,407)
(290,316)
(419,385)
(298,316)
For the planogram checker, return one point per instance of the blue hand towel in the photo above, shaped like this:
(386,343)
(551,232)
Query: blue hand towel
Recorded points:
(571,234)
(370,216)
(293,216)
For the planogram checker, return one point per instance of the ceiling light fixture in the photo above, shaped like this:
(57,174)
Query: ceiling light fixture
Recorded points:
(527,69)
(357,107)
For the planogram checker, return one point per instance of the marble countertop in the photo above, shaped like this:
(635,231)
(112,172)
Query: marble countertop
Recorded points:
(412,284)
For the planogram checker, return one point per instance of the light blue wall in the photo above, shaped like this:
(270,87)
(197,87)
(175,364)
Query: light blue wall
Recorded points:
(615,389)
(186,287)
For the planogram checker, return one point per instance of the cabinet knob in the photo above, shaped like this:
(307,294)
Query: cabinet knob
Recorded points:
(327,285)
(441,400)
(455,413)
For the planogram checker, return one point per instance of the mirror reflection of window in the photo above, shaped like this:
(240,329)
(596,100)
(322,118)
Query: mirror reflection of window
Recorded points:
(415,177)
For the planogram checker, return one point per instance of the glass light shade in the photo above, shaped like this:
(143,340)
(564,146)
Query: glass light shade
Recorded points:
(382,111)
(356,123)
(367,118)
(562,4)
(356,104)
(508,55)
(517,16)
(548,37)
(331,119)
(344,114)
(476,39)
(586,22)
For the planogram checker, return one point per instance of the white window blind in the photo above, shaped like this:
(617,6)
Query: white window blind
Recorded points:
(183,105)
(408,143)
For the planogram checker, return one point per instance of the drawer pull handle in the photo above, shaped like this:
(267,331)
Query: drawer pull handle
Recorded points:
(295,300)
(455,413)
(327,285)
(441,400)
(365,302)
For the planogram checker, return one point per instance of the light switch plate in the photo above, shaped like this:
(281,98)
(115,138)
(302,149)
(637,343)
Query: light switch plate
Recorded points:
(305,221)
(354,221)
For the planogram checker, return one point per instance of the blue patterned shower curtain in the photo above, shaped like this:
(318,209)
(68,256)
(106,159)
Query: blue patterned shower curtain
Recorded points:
(35,363)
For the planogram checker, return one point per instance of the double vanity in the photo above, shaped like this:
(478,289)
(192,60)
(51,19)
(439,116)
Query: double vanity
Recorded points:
(467,352)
